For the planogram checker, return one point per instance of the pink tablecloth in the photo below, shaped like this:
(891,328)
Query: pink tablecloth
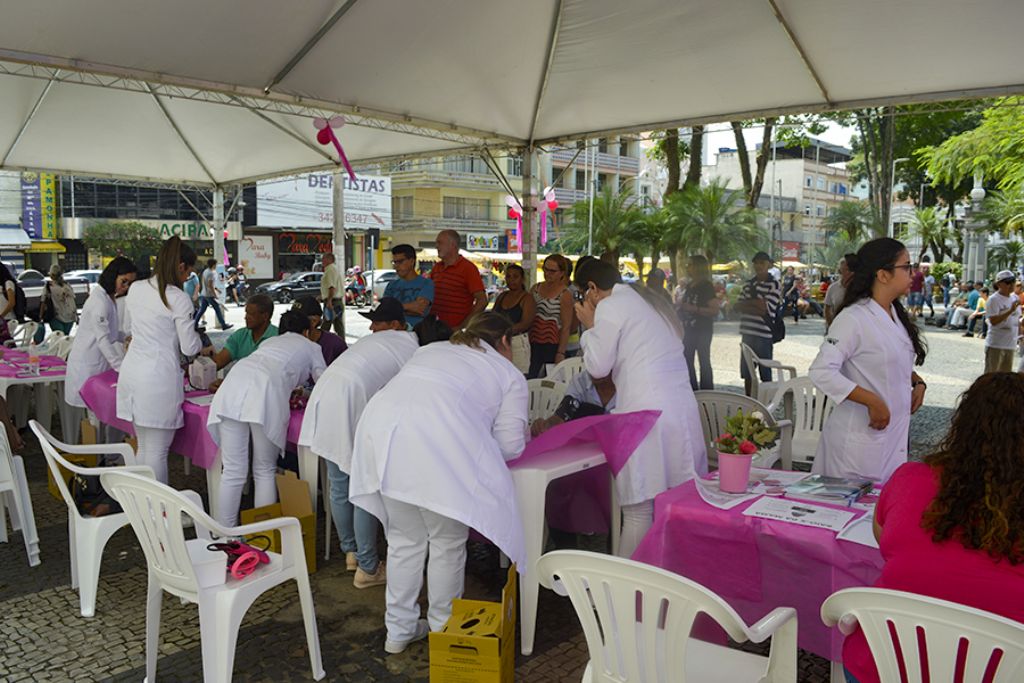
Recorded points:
(756,564)
(192,440)
(15,363)
(581,502)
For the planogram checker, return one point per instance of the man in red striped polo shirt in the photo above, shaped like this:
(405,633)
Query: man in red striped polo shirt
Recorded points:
(458,289)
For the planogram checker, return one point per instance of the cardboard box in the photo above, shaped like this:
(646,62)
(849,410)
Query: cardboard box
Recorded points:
(478,644)
(293,494)
(88,431)
(80,460)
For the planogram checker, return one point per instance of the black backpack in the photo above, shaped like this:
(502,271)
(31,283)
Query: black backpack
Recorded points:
(778,323)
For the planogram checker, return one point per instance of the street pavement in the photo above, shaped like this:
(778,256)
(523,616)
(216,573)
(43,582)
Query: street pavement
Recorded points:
(45,639)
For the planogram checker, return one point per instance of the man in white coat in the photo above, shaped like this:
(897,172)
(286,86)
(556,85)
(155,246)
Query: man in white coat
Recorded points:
(635,336)
(329,427)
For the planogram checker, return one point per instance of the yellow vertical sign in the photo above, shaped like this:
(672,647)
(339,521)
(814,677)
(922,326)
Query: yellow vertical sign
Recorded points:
(48,205)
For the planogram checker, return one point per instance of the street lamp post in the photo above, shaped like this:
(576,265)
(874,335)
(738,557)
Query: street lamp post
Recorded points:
(892,194)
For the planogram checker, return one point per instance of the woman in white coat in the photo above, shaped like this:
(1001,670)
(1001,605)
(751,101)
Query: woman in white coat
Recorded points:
(150,387)
(866,366)
(429,462)
(253,401)
(333,412)
(635,336)
(98,345)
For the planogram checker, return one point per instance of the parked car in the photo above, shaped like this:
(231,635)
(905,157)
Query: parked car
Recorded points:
(32,281)
(378,280)
(93,276)
(293,287)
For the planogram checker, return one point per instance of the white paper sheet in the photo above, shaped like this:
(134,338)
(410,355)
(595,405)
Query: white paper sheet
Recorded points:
(200,400)
(861,531)
(716,497)
(794,512)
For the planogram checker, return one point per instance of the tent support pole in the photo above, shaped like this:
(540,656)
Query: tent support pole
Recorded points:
(338,205)
(800,48)
(218,225)
(529,245)
(310,44)
(28,120)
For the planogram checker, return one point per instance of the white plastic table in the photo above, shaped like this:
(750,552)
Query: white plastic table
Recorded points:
(531,482)
(44,408)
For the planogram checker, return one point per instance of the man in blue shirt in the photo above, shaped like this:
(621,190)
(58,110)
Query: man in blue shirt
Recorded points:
(191,287)
(414,291)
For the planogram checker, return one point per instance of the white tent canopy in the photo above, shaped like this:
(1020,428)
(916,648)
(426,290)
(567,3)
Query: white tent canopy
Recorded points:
(216,93)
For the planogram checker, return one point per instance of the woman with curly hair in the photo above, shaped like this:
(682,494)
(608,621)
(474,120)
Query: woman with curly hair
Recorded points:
(952,527)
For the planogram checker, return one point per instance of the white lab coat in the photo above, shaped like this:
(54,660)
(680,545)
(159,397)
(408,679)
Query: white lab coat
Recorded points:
(634,344)
(339,397)
(258,388)
(865,347)
(437,436)
(150,389)
(98,344)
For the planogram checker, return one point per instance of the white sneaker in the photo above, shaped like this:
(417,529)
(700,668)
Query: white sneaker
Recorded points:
(350,562)
(394,647)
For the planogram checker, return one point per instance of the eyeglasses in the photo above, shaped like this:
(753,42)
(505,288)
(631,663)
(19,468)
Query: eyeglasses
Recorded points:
(398,261)
(904,266)
(552,270)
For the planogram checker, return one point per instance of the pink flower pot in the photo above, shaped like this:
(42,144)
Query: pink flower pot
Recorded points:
(733,472)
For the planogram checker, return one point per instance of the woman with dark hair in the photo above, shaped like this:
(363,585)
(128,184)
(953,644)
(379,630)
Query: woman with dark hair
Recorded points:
(429,462)
(866,366)
(516,304)
(252,403)
(952,527)
(698,309)
(8,298)
(150,388)
(635,335)
(332,345)
(99,345)
(553,322)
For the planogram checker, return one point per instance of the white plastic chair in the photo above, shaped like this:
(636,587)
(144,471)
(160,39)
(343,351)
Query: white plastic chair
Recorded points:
(545,395)
(14,497)
(23,333)
(715,407)
(760,390)
(912,629)
(808,408)
(155,511)
(637,621)
(567,369)
(87,535)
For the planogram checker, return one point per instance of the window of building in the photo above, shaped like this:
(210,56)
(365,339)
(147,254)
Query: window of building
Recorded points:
(819,210)
(602,145)
(809,181)
(402,206)
(624,147)
(466,208)
(821,182)
(842,188)
(833,188)
(465,164)
(807,209)
(515,165)
(581,180)
(602,182)
(399,166)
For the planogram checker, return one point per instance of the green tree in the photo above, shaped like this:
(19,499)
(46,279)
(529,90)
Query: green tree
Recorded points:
(835,248)
(1007,255)
(645,237)
(123,238)
(853,221)
(789,131)
(931,226)
(712,220)
(1005,211)
(615,216)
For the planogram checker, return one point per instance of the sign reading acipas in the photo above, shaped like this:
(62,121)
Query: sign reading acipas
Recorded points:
(196,230)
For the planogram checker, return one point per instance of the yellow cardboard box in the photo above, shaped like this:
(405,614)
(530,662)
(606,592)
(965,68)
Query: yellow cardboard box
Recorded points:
(294,496)
(80,460)
(478,644)
(88,432)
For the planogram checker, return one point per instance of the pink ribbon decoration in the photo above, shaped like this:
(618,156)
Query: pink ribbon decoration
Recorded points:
(325,134)
(546,203)
(515,210)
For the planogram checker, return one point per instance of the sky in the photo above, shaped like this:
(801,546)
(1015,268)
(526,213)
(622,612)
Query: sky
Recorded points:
(723,137)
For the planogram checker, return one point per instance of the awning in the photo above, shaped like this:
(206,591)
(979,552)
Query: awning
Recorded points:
(13,237)
(46,248)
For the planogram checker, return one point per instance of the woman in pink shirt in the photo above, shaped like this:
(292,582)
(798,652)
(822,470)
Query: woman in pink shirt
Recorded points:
(952,527)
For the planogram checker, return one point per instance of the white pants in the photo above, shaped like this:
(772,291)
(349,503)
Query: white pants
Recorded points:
(154,442)
(636,521)
(411,530)
(234,453)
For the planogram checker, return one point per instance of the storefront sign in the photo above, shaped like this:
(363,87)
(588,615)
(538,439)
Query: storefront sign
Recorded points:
(482,241)
(305,243)
(307,201)
(791,251)
(31,206)
(48,205)
(256,255)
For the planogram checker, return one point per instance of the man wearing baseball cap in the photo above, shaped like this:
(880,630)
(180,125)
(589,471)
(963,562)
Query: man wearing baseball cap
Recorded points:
(1003,314)
(388,315)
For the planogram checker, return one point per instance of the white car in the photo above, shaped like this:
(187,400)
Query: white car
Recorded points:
(378,280)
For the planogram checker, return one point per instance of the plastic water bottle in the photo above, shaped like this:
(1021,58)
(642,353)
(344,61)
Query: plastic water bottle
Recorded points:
(33,358)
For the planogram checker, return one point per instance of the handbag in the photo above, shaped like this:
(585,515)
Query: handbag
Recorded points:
(777,324)
(49,312)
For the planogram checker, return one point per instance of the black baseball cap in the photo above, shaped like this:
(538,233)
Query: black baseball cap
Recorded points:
(762,256)
(388,309)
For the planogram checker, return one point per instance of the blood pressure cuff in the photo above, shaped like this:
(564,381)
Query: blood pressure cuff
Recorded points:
(572,408)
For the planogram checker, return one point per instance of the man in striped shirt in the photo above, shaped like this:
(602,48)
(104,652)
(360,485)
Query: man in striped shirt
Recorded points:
(758,305)
(458,288)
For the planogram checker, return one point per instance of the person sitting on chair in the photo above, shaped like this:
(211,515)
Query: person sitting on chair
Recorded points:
(585,396)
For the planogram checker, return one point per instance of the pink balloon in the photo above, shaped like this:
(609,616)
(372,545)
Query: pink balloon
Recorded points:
(320,123)
(337,121)
(323,136)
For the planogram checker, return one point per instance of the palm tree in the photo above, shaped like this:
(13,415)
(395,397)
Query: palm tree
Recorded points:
(931,226)
(714,221)
(1008,254)
(645,237)
(614,218)
(1005,211)
(854,220)
(835,248)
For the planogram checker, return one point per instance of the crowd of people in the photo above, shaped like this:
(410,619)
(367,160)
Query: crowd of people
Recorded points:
(417,419)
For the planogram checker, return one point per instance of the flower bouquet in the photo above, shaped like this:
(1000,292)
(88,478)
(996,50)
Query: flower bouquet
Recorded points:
(744,436)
